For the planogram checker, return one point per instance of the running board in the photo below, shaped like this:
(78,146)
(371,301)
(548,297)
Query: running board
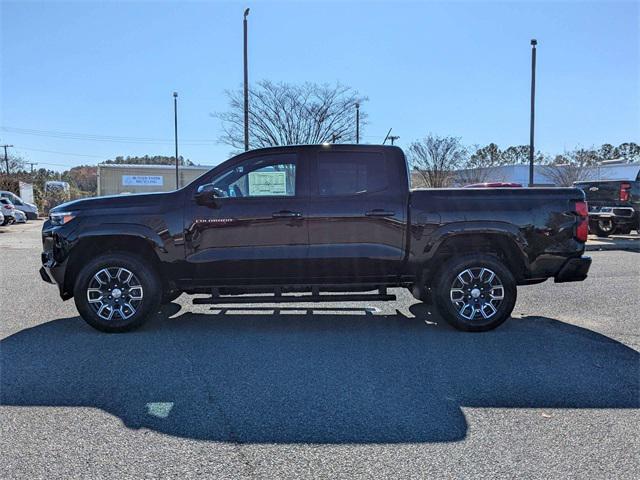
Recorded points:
(382,296)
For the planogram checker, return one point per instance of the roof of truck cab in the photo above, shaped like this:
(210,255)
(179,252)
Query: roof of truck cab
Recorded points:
(324,147)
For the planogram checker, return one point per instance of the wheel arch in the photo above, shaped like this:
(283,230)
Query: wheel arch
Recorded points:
(503,244)
(90,245)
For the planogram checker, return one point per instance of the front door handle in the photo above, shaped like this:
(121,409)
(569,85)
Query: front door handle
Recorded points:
(286,214)
(378,212)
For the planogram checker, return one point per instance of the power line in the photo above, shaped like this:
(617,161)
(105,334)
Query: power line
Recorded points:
(60,153)
(99,138)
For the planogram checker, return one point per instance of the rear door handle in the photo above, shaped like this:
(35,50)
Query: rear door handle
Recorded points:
(378,212)
(286,214)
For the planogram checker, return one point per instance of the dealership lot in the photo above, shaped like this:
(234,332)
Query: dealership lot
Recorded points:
(379,390)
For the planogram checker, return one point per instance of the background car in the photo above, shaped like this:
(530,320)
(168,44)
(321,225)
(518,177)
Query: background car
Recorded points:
(20,216)
(614,205)
(8,210)
(494,185)
(1,219)
(29,209)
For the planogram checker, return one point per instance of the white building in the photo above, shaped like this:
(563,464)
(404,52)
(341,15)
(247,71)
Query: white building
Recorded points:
(114,179)
(520,173)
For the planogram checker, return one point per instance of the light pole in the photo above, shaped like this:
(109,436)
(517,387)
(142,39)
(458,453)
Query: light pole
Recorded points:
(357,123)
(246,85)
(534,42)
(175,132)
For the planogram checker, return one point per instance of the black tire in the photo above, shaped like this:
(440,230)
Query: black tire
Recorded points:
(169,296)
(603,228)
(481,312)
(144,284)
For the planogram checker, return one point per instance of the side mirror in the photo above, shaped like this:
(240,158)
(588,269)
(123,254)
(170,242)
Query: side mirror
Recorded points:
(207,194)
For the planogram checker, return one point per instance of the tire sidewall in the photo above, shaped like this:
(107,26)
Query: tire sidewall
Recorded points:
(450,270)
(147,276)
(600,232)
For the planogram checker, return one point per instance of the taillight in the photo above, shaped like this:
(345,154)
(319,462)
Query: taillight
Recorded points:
(582,229)
(624,192)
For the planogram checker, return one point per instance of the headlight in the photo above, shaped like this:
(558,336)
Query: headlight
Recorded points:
(60,218)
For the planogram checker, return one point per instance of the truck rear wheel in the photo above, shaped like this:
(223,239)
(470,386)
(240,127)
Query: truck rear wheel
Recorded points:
(475,293)
(117,292)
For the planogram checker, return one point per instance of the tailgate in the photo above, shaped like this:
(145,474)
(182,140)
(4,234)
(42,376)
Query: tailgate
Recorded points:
(599,192)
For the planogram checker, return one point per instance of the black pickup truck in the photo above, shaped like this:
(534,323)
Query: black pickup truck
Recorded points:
(614,205)
(306,222)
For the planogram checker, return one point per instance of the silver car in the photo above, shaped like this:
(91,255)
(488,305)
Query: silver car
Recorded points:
(19,216)
(8,210)
(29,209)
(1,219)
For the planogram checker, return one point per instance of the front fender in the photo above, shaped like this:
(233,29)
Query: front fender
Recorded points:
(123,230)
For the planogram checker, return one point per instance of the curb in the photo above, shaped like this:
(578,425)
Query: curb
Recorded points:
(632,246)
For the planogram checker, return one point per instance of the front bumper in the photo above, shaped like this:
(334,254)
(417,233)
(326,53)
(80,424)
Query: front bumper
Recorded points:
(53,272)
(574,270)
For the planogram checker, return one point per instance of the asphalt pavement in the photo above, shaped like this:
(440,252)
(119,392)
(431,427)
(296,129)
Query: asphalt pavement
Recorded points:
(379,390)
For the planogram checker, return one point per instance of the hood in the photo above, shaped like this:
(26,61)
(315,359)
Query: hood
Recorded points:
(113,201)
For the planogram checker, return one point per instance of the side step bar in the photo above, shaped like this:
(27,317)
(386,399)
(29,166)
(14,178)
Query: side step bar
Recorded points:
(381,296)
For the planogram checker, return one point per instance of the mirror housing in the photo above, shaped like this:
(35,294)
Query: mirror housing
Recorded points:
(207,194)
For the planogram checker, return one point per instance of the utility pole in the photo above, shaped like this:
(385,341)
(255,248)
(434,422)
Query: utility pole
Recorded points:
(357,123)
(334,137)
(246,85)
(175,133)
(6,158)
(393,138)
(534,42)
(32,164)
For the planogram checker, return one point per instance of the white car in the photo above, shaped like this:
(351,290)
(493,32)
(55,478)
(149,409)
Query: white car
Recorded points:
(1,219)
(29,209)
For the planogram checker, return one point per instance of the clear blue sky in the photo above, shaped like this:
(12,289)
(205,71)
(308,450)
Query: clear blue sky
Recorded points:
(459,69)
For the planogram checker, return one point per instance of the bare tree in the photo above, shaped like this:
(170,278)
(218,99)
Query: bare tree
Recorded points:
(434,160)
(285,114)
(468,176)
(574,166)
(477,168)
(16,163)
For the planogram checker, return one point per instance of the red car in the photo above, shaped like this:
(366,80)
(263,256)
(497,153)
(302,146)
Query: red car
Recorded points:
(494,185)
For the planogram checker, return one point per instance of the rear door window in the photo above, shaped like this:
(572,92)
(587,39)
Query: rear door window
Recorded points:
(351,173)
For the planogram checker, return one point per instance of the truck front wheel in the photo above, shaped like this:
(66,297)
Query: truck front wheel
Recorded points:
(117,292)
(475,293)
(604,227)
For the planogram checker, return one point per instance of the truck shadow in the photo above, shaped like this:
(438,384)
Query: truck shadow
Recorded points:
(321,377)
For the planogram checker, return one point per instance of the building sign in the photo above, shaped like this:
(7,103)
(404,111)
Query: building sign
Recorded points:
(267,183)
(142,180)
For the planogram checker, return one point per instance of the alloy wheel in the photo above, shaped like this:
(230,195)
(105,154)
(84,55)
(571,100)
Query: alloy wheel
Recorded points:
(477,293)
(114,293)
